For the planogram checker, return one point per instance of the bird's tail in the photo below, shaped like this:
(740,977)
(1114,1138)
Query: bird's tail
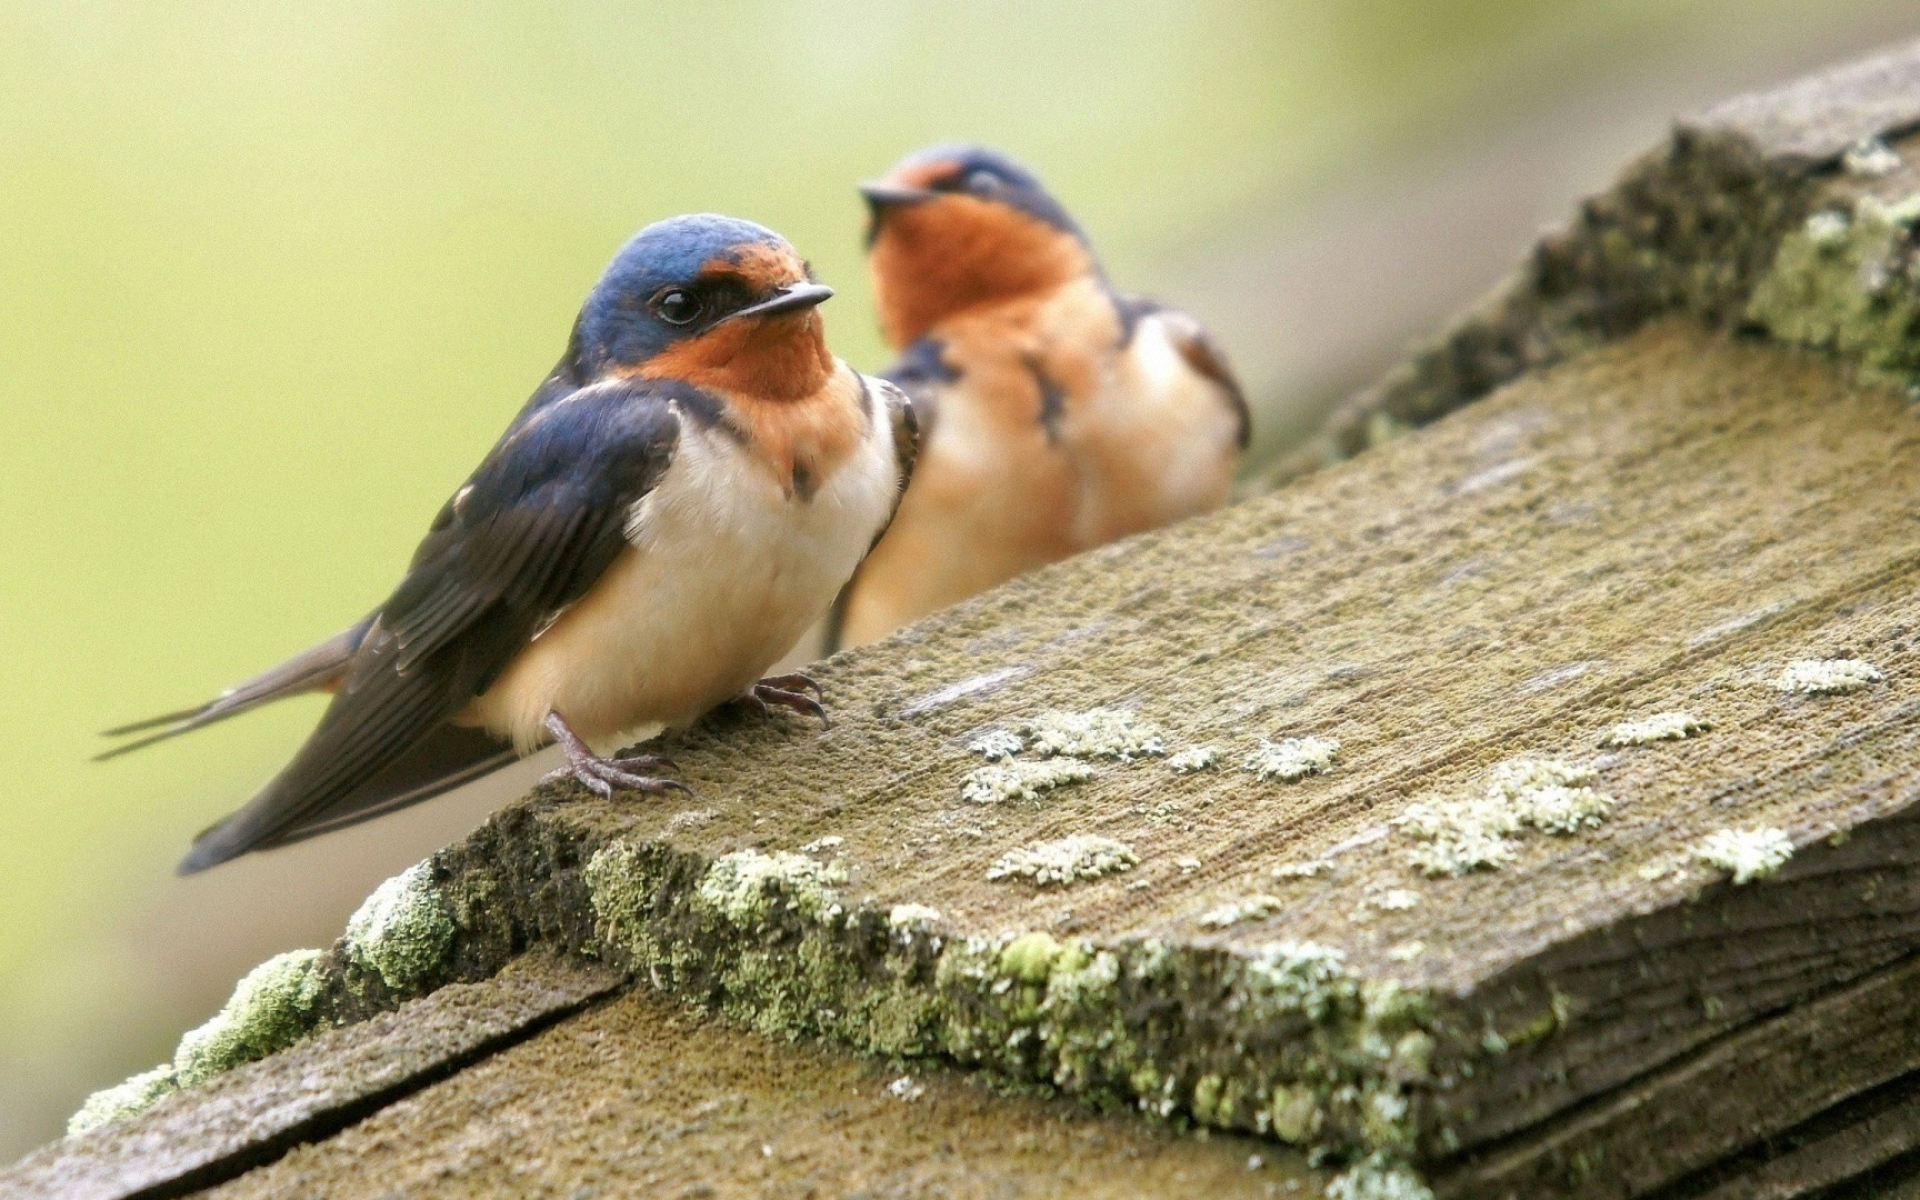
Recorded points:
(438,762)
(313,670)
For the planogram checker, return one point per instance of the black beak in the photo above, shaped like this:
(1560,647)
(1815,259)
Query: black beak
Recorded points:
(792,298)
(889,195)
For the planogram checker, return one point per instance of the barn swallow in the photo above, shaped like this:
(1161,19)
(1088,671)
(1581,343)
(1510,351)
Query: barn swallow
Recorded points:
(1056,415)
(676,504)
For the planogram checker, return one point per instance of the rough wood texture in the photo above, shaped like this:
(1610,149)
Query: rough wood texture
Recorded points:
(250,1116)
(640,1097)
(1694,225)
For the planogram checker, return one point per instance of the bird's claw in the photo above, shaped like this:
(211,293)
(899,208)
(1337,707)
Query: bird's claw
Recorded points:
(795,681)
(603,776)
(788,691)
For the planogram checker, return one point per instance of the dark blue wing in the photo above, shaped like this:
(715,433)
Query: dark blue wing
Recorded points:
(528,534)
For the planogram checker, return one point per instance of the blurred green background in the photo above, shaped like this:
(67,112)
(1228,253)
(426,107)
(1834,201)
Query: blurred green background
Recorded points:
(273,276)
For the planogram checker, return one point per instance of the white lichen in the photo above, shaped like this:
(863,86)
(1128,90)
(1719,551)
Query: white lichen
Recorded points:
(904,1088)
(1303,870)
(1304,977)
(271,1008)
(1819,677)
(1292,759)
(1096,733)
(1194,758)
(1828,227)
(913,918)
(743,887)
(1563,810)
(134,1096)
(1000,782)
(1748,853)
(693,818)
(1871,158)
(1406,951)
(996,744)
(402,932)
(1378,1177)
(1068,860)
(1660,727)
(1395,900)
(1257,907)
(1473,833)
(821,845)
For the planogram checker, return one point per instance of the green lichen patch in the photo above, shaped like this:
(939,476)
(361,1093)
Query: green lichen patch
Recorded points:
(1748,854)
(130,1098)
(1659,727)
(271,1008)
(1843,282)
(1292,759)
(744,887)
(1474,832)
(1067,860)
(1000,782)
(1826,676)
(1193,758)
(1096,733)
(1296,1043)
(402,932)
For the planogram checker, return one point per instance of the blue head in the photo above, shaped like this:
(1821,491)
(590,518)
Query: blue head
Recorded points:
(689,294)
(963,170)
(954,227)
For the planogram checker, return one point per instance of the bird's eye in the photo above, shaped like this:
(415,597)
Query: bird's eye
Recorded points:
(678,306)
(983,183)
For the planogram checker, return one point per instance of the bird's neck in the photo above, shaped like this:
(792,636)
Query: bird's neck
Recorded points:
(780,360)
(930,265)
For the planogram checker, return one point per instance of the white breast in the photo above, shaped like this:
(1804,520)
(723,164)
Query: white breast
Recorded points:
(724,572)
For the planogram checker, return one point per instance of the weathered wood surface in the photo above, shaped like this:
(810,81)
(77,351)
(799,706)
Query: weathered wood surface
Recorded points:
(225,1128)
(1693,226)
(640,1097)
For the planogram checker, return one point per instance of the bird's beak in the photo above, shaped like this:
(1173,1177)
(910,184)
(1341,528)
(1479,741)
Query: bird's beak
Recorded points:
(792,298)
(892,195)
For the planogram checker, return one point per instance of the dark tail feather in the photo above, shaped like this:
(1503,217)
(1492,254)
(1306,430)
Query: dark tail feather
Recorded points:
(320,667)
(833,630)
(443,760)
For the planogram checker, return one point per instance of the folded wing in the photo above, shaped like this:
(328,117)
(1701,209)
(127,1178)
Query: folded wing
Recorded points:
(527,535)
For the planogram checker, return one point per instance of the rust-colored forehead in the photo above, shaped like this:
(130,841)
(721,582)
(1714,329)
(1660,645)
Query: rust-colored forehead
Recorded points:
(759,265)
(925,173)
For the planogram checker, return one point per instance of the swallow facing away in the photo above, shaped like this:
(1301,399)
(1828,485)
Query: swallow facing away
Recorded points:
(1055,415)
(677,503)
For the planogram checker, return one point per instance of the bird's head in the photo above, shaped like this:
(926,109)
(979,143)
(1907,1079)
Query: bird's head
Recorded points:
(715,301)
(954,227)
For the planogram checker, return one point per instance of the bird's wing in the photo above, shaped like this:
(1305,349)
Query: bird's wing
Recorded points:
(527,535)
(906,415)
(311,670)
(1197,348)
(922,372)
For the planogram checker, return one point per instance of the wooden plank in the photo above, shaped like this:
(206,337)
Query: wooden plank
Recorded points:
(256,1113)
(1752,1086)
(641,1097)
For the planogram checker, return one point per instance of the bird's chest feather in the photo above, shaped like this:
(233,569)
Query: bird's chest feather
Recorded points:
(727,566)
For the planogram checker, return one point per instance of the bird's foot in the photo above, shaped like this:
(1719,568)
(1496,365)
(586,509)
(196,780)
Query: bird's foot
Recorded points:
(604,776)
(787,691)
